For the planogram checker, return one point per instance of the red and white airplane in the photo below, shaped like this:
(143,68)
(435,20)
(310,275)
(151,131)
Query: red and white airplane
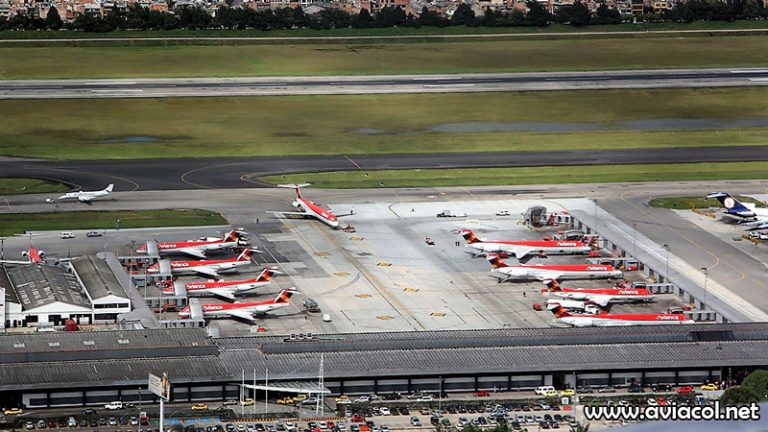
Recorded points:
(244,311)
(310,209)
(198,248)
(225,289)
(32,254)
(209,268)
(600,296)
(543,272)
(609,320)
(523,248)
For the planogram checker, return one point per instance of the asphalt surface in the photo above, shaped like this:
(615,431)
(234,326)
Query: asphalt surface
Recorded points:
(259,86)
(227,173)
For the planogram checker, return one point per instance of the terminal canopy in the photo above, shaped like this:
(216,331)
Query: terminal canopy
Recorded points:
(290,387)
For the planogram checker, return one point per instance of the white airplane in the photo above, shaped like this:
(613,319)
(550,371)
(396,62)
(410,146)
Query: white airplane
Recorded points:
(198,248)
(210,268)
(601,296)
(610,320)
(310,209)
(521,249)
(244,311)
(83,196)
(748,215)
(226,289)
(506,272)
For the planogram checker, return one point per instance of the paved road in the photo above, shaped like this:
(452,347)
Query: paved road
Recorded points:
(224,173)
(547,35)
(256,86)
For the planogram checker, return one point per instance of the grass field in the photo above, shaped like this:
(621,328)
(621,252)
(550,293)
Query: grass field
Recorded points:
(687,203)
(399,31)
(14,186)
(532,175)
(301,125)
(373,59)
(18,223)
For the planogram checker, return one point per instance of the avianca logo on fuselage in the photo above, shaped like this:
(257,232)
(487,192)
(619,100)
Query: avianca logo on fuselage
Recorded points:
(568,244)
(668,317)
(629,292)
(599,268)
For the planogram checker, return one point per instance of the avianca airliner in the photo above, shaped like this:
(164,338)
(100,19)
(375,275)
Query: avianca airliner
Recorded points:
(310,209)
(198,248)
(33,256)
(209,268)
(226,289)
(521,249)
(244,311)
(600,296)
(610,320)
(557,272)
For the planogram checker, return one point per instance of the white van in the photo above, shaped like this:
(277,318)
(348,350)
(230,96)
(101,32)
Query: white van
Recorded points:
(71,422)
(327,317)
(543,390)
(67,235)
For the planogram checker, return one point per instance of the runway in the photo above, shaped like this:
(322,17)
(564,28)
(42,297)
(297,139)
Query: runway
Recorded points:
(265,86)
(228,173)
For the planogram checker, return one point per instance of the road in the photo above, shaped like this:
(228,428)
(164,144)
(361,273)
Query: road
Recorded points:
(263,86)
(502,36)
(226,173)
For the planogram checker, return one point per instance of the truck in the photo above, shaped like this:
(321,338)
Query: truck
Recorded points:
(311,305)
(448,213)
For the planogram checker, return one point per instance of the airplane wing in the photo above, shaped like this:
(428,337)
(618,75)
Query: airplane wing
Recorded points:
(243,315)
(13,262)
(287,213)
(544,276)
(518,252)
(601,300)
(224,293)
(345,213)
(85,198)
(192,251)
(208,272)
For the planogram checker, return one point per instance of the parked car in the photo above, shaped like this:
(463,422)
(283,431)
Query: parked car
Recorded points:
(584,389)
(13,411)
(606,389)
(481,393)
(685,390)
(93,234)
(710,387)
(415,421)
(568,392)
(200,407)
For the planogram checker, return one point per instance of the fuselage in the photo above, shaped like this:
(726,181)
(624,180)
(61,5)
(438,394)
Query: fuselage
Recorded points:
(214,310)
(609,320)
(238,286)
(203,246)
(549,247)
(316,211)
(603,295)
(558,272)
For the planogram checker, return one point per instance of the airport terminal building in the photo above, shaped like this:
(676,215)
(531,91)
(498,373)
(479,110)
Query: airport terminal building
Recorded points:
(92,368)
(86,290)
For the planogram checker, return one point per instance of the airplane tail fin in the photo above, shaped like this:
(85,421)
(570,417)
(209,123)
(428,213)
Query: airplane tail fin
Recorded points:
(297,187)
(469,236)
(495,261)
(730,203)
(558,311)
(110,187)
(246,254)
(552,285)
(285,296)
(267,273)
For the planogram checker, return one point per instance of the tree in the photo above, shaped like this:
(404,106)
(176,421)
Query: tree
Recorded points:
(580,14)
(537,15)
(739,395)
(463,15)
(53,20)
(489,18)
(753,9)
(363,19)
(757,381)
(428,18)
(300,18)
(606,15)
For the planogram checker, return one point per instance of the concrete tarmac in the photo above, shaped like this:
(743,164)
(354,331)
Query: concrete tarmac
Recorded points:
(449,83)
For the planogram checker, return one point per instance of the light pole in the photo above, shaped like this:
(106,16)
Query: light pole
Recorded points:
(2,248)
(706,276)
(666,275)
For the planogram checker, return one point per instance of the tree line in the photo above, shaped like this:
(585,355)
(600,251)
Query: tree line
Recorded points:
(197,18)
